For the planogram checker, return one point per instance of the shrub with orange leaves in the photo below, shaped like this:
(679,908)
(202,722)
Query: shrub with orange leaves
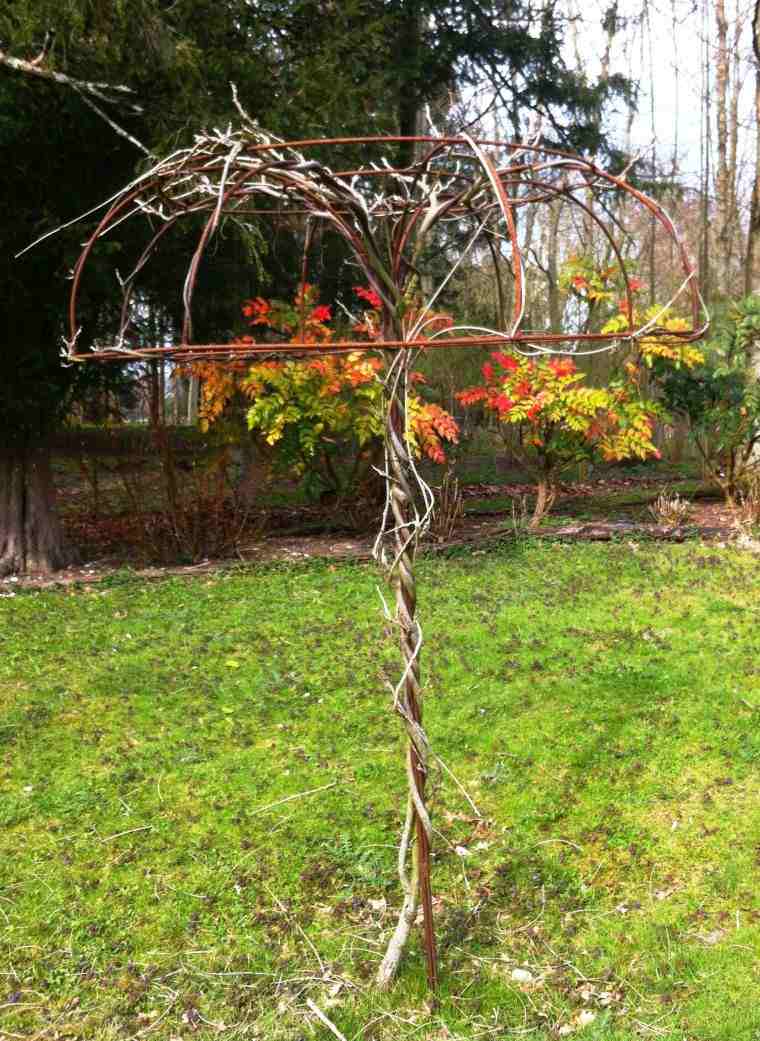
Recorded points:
(416,319)
(321,417)
(303,320)
(648,349)
(558,421)
(604,287)
(583,278)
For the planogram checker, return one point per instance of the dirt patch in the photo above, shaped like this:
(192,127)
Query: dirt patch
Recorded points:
(712,515)
(709,521)
(566,489)
(594,502)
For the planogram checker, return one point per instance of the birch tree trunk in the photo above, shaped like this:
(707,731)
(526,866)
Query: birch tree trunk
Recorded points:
(727,117)
(753,231)
(705,258)
(193,389)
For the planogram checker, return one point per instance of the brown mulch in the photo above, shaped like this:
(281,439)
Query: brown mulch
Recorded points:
(567,489)
(712,514)
(709,520)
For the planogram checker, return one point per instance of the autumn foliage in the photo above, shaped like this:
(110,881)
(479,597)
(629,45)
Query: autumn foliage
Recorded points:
(319,414)
(557,419)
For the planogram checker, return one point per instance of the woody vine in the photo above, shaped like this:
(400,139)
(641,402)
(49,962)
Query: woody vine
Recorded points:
(458,200)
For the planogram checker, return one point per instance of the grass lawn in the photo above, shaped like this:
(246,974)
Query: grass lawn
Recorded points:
(600,704)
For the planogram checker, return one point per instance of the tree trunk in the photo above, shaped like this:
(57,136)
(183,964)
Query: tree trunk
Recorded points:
(193,388)
(546,493)
(735,224)
(652,238)
(154,417)
(162,392)
(408,102)
(705,259)
(30,535)
(725,174)
(552,265)
(753,231)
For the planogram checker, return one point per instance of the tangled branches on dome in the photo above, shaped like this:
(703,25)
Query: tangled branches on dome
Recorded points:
(472,192)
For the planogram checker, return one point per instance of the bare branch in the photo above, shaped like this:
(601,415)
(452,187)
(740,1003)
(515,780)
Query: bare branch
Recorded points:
(110,93)
(113,125)
(324,1020)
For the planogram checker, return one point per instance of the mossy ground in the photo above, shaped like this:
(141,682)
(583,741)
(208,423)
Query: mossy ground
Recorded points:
(599,703)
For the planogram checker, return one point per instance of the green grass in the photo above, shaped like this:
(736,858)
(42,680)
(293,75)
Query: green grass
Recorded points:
(599,703)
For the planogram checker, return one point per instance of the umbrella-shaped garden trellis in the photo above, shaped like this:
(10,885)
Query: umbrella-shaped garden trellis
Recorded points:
(466,191)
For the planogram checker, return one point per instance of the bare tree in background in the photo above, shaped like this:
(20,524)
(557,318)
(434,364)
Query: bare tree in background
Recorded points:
(753,230)
(727,89)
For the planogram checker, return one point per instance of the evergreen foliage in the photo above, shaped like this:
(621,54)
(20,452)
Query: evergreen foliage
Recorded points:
(720,398)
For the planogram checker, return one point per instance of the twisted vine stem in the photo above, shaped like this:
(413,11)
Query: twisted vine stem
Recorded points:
(401,528)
